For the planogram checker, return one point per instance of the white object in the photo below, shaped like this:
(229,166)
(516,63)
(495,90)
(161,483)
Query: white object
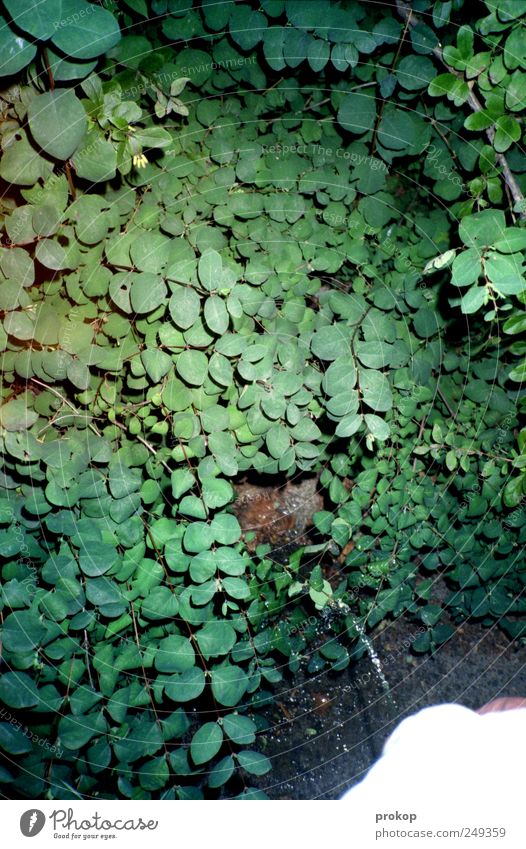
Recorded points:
(450,767)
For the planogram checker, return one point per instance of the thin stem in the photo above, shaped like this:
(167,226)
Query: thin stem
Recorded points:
(147,682)
(146,444)
(71,184)
(419,437)
(48,69)
(445,401)
(86,647)
(65,401)
(509,178)
(392,68)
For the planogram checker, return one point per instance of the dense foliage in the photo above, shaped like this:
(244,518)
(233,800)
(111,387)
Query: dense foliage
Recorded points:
(280,237)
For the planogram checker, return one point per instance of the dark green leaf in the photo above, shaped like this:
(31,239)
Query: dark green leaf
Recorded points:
(58,122)
(85,30)
(229,684)
(16,52)
(17,690)
(254,762)
(357,112)
(38,19)
(239,728)
(206,743)
(174,654)
(216,639)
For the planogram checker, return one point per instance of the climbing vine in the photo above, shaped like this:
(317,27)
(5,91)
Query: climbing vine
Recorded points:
(278,239)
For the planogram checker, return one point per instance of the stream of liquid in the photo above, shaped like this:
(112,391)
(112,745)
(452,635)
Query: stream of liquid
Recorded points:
(376,663)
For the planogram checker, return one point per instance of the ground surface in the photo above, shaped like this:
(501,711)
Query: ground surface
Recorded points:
(327,730)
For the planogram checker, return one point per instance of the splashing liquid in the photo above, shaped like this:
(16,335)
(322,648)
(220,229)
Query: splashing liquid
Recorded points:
(376,663)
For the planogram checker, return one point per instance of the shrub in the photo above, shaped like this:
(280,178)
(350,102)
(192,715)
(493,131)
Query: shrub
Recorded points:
(238,257)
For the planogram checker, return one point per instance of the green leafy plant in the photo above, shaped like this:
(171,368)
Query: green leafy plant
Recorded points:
(242,257)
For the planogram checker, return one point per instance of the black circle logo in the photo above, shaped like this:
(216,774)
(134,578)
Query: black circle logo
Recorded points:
(32,822)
